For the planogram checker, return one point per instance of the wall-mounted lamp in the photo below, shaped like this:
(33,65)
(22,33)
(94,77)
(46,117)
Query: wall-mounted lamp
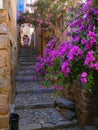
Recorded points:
(1,4)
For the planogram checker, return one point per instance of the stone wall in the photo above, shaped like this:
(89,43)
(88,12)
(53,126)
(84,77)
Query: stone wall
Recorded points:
(5,85)
(46,35)
(8,56)
(86,104)
(94,101)
(38,40)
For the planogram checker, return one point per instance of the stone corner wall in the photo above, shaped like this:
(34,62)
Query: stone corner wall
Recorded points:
(86,104)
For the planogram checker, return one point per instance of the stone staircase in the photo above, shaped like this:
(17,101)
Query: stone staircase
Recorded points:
(35,105)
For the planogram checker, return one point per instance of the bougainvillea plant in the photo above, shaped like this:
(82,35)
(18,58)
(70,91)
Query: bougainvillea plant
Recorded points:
(45,13)
(77,58)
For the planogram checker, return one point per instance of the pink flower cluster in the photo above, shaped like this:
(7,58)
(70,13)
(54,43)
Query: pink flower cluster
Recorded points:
(78,55)
(65,68)
(84,77)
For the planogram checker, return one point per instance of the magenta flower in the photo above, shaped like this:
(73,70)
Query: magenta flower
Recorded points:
(96,66)
(83,41)
(84,77)
(96,11)
(59,88)
(89,58)
(92,65)
(84,80)
(97,19)
(91,34)
(65,68)
(84,74)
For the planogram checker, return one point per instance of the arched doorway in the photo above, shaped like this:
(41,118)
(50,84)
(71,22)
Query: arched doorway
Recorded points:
(27,30)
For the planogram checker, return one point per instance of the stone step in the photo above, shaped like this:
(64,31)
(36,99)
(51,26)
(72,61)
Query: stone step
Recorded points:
(27,56)
(27,50)
(30,85)
(26,68)
(35,91)
(44,117)
(26,86)
(90,127)
(34,106)
(27,79)
(25,63)
(26,53)
(64,103)
(25,73)
(35,126)
(71,128)
(26,60)
(38,126)
(44,90)
(31,101)
(36,87)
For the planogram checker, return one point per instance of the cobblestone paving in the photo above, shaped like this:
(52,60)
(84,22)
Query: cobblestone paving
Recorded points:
(34,105)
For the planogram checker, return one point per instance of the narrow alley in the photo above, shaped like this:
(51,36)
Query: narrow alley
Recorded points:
(49,65)
(35,105)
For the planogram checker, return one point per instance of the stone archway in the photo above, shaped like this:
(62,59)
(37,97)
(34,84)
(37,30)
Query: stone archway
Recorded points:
(27,29)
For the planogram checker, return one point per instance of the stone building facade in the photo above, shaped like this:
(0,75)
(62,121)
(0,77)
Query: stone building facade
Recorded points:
(8,58)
